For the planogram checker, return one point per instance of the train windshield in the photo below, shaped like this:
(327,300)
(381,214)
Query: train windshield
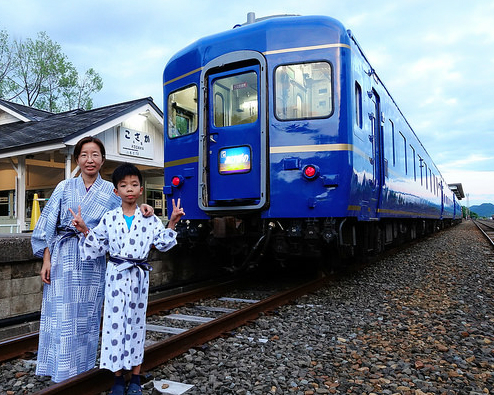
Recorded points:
(182,112)
(235,99)
(303,91)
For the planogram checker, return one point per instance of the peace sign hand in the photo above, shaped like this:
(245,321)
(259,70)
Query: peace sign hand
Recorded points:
(177,214)
(78,222)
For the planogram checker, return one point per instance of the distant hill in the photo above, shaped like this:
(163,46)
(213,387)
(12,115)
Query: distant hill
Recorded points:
(484,210)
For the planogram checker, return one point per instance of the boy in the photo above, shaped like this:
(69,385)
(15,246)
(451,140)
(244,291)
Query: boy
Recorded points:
(128,237)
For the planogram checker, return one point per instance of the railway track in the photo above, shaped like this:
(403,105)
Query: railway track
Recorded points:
(165,342)
(20,345)
(487,228)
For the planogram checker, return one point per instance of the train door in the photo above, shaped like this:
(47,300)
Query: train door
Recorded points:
(377,160)
(233,133)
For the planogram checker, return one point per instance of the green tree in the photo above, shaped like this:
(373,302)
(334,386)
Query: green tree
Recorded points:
(42,77)
(5,63)
(79,96)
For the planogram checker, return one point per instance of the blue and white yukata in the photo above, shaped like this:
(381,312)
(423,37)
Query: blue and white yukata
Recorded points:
(71,307)
(127,282)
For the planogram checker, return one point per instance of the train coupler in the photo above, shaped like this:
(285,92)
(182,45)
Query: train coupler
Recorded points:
(224,227)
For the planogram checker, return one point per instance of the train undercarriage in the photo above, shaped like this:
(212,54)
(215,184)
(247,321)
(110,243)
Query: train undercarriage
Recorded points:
(240,243)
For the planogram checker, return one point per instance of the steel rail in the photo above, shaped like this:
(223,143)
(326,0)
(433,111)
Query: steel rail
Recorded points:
(163,351)
(96,380)
(487,230)
(16,346)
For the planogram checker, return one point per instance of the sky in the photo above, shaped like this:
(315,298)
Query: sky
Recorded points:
(436,58)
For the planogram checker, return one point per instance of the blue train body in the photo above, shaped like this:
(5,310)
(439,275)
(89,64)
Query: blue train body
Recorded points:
(282,130)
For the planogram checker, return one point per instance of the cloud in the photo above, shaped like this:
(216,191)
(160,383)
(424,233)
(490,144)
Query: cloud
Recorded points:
(475,184)
(472,159)
(435,58)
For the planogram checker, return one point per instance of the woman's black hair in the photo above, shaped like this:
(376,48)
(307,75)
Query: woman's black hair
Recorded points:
(89,139)
(124,170)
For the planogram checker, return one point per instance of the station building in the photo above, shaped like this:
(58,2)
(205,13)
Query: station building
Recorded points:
(36,152)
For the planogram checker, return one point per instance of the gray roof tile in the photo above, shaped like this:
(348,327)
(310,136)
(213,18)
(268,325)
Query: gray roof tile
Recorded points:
(31,113)
(57,128)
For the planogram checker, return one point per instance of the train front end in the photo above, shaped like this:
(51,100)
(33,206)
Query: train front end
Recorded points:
(256,141)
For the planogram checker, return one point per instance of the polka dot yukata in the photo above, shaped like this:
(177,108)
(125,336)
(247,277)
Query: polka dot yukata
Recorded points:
(127,284)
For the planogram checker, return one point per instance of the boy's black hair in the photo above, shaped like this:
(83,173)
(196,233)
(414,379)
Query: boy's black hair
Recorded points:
(124,170)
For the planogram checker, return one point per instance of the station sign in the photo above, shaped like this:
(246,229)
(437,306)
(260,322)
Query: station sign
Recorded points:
(135,143)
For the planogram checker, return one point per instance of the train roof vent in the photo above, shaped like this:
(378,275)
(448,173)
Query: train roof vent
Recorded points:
(251,18)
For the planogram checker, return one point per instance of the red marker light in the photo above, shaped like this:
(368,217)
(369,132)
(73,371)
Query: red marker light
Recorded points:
(310,172)
(177,181)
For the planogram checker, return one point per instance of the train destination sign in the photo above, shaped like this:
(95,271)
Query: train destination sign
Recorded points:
(235,160)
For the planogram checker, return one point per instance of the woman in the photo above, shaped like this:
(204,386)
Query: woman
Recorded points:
(74,287)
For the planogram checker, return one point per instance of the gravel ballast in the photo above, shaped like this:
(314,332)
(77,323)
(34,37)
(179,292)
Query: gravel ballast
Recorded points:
(418,322)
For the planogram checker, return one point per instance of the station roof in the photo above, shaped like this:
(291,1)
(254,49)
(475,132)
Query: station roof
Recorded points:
(458,190)
(35,128)
(20,111)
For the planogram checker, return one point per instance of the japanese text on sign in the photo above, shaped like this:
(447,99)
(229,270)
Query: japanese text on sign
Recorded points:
(135,143)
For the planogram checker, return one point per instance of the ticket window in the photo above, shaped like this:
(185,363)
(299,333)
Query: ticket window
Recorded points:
(6,203)
(154,197)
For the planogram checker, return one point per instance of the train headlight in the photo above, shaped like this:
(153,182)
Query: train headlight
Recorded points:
(310,172)
(177,181)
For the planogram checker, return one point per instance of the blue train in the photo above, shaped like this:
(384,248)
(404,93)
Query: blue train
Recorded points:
(281,139)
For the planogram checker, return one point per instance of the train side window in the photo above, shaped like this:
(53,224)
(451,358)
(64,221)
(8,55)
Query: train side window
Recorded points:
(421,166)
(405,161)
(426,179)
(182,111)
(358,105)
(401,147)
(388,142)
(239,101)
(303,91)
(411,164)
(393,154)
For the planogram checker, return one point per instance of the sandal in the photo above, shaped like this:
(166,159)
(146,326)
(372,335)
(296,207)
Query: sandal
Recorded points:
(117,389)
(134,389)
